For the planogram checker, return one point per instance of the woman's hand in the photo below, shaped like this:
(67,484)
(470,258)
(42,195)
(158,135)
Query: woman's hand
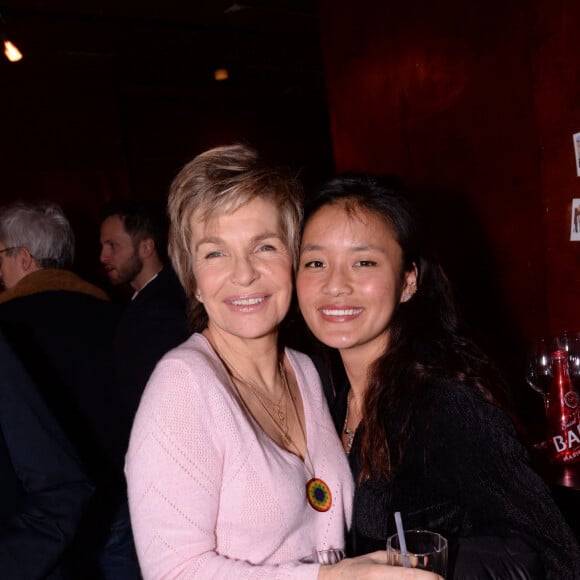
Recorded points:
(370,567)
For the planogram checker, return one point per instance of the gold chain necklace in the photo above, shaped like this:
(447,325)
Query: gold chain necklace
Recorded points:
(278,417)
(318,493)
(276,407)
(350,433)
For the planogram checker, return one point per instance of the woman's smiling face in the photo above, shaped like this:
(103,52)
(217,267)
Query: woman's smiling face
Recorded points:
(350,279)
(243,270)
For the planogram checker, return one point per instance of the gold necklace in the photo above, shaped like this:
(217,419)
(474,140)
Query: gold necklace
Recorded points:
(277,407)
(350,434)
(278,417)
(318,493)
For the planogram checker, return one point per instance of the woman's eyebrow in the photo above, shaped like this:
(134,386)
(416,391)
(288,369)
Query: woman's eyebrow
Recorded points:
(217,240)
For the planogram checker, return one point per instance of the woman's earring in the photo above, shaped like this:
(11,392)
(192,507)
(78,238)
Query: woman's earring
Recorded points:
(407,296)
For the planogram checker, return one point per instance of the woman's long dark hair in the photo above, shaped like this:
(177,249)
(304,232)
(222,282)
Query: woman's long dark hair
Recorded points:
(425,342)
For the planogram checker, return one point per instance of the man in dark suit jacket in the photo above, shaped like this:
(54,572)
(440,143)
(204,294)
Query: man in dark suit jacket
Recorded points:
(43,490)
(134,253)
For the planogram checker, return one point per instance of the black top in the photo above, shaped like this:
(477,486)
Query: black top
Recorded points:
(464,473)
(62,328)
(64,340)
(43,491)
(154,322)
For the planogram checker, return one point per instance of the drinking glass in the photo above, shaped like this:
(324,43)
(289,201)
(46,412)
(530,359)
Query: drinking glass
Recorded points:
(425,550)
(539,369)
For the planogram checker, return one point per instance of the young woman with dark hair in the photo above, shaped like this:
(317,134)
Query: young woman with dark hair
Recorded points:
(415,413)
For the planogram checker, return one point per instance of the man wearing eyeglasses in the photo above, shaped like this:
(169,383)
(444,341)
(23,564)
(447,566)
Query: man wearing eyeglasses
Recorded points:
(10,266)
(62,328)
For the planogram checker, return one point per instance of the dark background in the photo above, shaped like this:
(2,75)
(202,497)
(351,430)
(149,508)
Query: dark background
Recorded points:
(473,104)
(112,98)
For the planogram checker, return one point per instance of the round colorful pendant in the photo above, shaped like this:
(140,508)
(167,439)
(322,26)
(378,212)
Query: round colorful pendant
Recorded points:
(318,495)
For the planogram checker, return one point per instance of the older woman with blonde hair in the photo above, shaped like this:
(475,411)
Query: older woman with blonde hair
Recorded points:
(234,469)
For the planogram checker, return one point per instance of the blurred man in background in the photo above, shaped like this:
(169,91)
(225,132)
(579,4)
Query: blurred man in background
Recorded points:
(134,253)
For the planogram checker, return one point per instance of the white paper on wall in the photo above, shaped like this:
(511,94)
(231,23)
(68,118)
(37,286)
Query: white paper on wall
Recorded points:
(575,225)
(576,137)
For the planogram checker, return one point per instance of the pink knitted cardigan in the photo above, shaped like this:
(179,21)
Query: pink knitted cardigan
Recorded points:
(210,494)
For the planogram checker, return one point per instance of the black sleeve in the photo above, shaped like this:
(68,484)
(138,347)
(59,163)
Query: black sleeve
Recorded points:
(482,460)
(53,490)
(146,333)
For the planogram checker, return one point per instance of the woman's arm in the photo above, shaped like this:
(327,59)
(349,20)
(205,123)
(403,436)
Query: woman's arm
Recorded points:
(372,567)
(478,453)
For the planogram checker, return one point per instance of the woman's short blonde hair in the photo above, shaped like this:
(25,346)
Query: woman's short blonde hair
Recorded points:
(222,180)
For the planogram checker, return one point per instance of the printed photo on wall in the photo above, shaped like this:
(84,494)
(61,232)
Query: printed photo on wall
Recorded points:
(576,137)
(575,227)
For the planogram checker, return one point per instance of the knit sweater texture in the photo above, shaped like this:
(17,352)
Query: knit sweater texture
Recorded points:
(211,495)
(464,474)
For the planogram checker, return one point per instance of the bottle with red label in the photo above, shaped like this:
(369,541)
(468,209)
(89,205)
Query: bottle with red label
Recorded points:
(563,415)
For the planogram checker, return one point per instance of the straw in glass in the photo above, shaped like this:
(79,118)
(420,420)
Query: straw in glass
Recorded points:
(402,542)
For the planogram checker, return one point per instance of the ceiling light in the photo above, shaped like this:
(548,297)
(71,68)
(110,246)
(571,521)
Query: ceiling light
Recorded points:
(221,74)
(11,52)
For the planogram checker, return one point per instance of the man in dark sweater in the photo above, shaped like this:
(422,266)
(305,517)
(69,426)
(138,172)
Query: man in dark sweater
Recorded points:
(134,253)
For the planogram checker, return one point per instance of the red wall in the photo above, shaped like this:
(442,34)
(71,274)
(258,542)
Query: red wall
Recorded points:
(474,104)
(556,60)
